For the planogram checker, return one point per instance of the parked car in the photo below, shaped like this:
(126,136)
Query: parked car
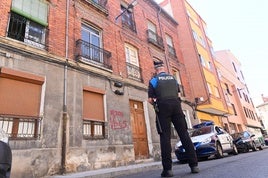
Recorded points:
(246,141)
(209,140)
(5,155)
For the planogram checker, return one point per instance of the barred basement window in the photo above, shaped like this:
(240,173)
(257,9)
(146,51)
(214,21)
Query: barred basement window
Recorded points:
(93,129)
(21,127)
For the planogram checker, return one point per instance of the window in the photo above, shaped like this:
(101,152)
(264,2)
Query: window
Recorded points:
(91,46)
(209,88)
(202,41)
(128,18)
(93,113)
(152,35)
(171,49)
(219,73)
(202,60)
(132,60)
(28,21)
(227,88)
(20,104)
(195,35)
(216,91)
(210,65)
(235,113)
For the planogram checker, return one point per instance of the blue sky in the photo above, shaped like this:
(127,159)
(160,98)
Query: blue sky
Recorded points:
(240,26)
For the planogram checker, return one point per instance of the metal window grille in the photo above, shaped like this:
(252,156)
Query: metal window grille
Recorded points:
(93,129)
(25,30)
(21,127)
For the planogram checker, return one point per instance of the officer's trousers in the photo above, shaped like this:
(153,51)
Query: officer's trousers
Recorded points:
(170,111)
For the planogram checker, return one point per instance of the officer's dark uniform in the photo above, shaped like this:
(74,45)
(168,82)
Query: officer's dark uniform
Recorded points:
(164,88)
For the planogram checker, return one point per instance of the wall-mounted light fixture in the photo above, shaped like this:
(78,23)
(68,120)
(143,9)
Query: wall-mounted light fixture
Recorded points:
(130,6)
(117,87)
(118,92)
(118,84)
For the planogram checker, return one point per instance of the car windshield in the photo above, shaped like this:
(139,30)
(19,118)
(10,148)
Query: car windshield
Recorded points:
(240,135)
(201,131)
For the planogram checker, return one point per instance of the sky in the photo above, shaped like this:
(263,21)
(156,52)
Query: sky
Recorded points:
(240,26)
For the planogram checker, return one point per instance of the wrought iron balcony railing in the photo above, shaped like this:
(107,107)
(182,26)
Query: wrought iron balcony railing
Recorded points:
(153,38)
(134,72)
(89,53)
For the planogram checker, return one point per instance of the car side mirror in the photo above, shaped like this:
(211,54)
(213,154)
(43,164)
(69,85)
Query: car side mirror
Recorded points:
(253,135)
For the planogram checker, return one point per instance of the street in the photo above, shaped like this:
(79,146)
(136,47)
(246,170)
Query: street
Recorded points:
(243,165)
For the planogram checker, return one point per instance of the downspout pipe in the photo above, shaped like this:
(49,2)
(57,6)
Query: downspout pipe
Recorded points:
(64,113)
(161,34)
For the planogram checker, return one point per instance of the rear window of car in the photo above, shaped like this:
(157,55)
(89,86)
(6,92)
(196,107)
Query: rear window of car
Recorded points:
(201,131)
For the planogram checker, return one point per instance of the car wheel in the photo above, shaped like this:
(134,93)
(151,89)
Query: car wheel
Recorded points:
(246,149)
(235,151)
(219,153)
(254,148)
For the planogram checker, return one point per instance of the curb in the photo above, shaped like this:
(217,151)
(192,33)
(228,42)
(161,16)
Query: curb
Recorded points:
(112,172)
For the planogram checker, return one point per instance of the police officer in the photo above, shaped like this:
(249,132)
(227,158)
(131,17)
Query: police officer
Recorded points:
(164,89)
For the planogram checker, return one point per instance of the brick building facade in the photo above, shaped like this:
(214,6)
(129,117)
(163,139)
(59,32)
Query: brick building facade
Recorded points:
(73,82)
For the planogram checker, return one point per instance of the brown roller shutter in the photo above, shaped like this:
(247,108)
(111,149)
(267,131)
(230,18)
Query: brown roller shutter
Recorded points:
(19,95)
(93,107)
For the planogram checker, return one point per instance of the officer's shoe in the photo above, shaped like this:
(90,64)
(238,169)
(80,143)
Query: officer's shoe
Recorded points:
(167,173)
(194,169)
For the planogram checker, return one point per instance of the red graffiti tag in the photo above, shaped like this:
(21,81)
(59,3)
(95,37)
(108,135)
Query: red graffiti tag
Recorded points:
(117,120)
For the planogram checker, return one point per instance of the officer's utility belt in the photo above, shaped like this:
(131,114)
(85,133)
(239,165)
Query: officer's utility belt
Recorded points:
(165,99)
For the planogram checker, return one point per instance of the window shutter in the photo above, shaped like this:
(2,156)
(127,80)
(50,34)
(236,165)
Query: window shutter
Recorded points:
(35,10)
(93,107)
(19,98)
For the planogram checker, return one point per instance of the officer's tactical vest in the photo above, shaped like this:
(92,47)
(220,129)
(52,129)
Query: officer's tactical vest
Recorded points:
(167,87)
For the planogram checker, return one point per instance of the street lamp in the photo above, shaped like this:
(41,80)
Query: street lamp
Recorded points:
(130,6)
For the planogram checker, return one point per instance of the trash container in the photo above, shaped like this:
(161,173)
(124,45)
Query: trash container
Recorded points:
(5,156)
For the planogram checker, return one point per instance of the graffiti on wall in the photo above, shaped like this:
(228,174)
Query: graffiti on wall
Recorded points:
(117,120)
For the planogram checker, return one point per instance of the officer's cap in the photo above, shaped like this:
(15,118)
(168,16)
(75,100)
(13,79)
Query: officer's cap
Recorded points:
(158,64)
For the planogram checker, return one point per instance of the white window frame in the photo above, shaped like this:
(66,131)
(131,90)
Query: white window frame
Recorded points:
(93,32)
(131,55)
(152,27)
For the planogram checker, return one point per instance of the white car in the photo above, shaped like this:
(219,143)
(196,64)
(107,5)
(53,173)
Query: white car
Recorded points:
(209,140)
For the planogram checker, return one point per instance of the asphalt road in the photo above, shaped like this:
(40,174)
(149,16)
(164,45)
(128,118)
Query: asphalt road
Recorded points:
(243,165)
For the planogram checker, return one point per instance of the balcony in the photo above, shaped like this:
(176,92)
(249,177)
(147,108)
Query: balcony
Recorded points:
(91,54)
(134,72)
(156,40)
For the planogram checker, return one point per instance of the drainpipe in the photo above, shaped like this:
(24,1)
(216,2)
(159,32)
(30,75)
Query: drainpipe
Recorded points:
(161,34)
(64,113)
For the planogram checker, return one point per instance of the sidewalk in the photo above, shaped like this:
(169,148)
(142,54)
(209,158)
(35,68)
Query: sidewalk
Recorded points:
(111,172)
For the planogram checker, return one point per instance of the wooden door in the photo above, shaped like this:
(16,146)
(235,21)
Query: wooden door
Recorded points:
(139,132)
